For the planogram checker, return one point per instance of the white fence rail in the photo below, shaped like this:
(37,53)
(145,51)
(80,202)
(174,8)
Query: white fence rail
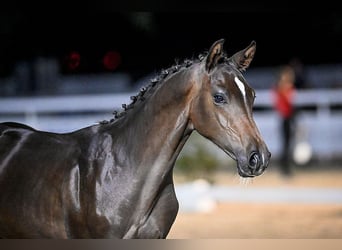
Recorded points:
(322,126)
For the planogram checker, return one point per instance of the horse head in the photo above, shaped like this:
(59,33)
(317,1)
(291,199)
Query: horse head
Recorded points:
(223,108)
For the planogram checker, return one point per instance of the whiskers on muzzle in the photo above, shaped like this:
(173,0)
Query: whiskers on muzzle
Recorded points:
(245,181)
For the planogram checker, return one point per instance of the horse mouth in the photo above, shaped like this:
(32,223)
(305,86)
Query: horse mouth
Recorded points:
(241,172)
(244,174)
(244,170)
(252,168)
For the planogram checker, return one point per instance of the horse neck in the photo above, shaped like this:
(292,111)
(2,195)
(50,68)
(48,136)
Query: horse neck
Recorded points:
(153,133)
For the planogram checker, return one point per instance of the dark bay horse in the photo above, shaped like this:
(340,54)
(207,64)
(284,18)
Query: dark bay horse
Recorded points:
(115,179)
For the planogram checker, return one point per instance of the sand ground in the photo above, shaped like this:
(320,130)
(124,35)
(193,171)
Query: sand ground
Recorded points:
(266,220)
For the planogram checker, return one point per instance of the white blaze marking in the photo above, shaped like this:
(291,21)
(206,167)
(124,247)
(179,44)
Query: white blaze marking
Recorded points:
(241,86)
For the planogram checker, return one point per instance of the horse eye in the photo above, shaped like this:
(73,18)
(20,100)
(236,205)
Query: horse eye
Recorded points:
(218,98)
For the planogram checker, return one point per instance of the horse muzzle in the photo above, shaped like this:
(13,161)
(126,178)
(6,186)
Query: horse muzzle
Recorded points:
(254,164)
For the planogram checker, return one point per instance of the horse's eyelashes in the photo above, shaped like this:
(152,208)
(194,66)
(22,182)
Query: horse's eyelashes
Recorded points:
(219,98)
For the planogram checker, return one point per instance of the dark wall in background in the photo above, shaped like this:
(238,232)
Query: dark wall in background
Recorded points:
(150,39)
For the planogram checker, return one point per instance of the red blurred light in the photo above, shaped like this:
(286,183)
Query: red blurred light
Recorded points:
(111,60)
(73,60)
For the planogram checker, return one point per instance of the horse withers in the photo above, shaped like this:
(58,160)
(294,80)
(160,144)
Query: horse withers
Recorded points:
(114,179)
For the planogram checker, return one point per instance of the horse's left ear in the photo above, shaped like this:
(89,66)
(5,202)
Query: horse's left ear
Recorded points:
(215,54)
(243,58)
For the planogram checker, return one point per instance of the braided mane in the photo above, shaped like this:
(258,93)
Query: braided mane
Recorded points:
(153,82)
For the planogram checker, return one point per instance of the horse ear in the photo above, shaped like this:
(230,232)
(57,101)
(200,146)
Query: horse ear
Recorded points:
(215,54)
(243,58)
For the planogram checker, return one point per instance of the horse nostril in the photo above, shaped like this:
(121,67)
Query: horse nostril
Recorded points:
(254,160)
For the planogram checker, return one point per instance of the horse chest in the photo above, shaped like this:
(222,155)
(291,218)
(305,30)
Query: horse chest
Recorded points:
(156,221)
(130,210)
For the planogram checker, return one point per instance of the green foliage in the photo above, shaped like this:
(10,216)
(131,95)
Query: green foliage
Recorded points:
(197,160)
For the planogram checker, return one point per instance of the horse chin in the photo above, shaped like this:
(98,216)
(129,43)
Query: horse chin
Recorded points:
(244,174)
(230,154)
(241,172)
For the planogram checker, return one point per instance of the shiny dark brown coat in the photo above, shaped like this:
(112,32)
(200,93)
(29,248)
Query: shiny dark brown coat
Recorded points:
(115,179)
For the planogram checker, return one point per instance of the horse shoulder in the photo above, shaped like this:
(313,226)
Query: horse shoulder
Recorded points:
(45,166)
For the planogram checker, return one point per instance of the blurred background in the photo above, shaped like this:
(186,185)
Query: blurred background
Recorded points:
(66,66)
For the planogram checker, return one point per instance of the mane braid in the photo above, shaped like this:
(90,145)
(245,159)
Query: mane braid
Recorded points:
(153,82)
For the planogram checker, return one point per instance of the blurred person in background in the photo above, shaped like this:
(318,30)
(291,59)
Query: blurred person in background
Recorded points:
(299,71)
(283,96)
